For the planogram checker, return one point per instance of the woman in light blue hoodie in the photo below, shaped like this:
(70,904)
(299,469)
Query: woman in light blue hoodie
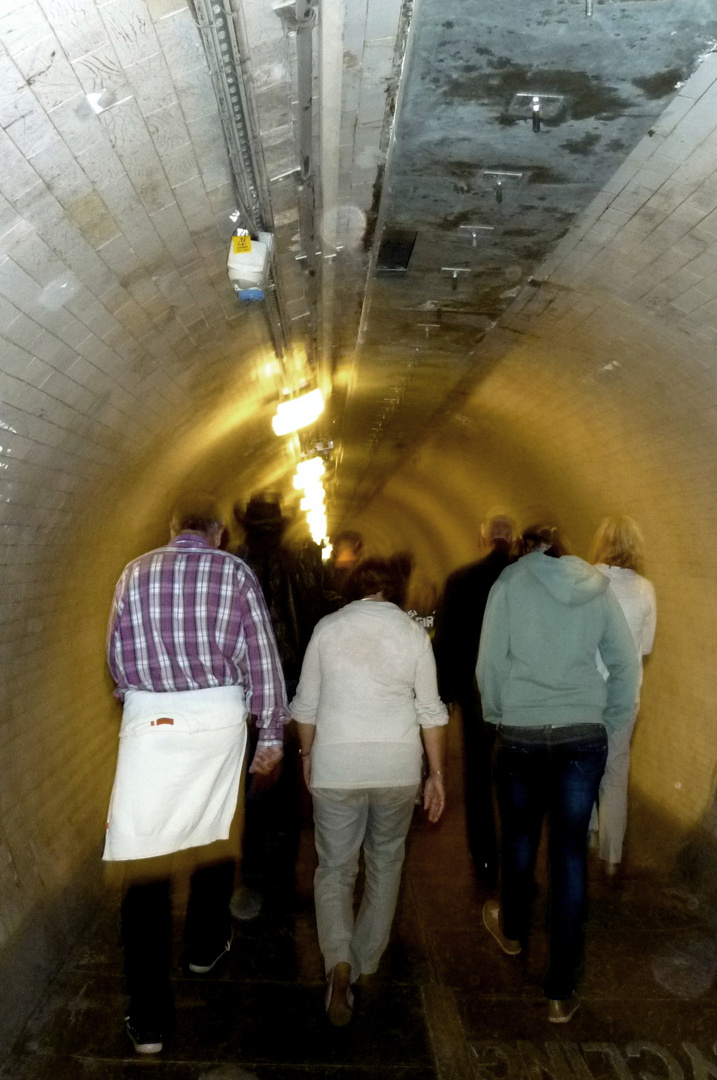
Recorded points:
(545,620)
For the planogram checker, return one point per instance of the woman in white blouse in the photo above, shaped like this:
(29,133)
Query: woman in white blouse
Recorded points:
(618,552)
(366,697)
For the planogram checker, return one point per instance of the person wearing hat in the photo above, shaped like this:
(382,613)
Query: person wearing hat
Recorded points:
(291,580)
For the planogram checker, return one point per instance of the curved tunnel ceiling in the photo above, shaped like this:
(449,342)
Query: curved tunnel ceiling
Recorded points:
(485,193)
(571,366)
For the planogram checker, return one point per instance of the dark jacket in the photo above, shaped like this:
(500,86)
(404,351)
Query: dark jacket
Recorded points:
(459,618)
(291,580)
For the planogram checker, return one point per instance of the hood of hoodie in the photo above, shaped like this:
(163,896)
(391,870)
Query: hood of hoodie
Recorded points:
(569,580)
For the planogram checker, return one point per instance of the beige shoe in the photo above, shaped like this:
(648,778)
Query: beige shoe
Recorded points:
(560,1012)
(491,921)
(339,996)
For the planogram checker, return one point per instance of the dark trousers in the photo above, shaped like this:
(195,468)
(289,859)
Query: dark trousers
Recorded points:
(147,928)
(553,771)
(478,738)
(272,821)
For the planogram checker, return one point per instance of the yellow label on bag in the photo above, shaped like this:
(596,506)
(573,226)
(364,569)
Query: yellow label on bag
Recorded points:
(241,244)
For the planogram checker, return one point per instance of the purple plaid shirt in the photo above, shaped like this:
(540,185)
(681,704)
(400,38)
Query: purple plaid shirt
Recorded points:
(189,617)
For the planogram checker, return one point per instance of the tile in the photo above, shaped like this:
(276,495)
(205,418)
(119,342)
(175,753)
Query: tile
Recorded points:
(227,1020)
(22,24)
(77,25)
(598,1020)
(130,31)
(57,1068)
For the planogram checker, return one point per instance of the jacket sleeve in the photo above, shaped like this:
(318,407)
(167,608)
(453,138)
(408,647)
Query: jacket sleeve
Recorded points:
(648,633)
(618,653)
(446,621)
(114,637)
(430,710)
(306,701)
(260,665)
(493,666)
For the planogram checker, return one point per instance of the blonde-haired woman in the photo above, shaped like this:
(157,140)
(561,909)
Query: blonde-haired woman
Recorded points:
(618,551)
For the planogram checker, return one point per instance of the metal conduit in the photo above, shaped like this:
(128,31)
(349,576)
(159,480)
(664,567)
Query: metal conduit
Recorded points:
(225,55)
(305,21)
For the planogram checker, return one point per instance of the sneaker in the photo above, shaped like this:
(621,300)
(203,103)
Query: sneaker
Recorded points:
(491,921)
(339,996)
(209,964)
(146,1040)
(560,1012)
(246,903)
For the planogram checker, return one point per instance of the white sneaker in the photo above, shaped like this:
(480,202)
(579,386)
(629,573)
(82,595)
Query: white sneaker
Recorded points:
(202,969)
(144,1040)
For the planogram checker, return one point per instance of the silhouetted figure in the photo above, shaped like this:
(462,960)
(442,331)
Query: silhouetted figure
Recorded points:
(458,622)
(191,649)
(618,552)
(346,549)
(291,580)
(545,620)
(421,594)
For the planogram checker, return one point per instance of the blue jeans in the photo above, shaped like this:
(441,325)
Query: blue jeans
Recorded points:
(554,771)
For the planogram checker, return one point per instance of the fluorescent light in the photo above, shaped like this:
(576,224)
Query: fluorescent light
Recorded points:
(308,479)
(309,472)
(297,412)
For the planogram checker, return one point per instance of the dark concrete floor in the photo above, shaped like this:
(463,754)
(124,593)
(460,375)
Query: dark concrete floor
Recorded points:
(446,1003)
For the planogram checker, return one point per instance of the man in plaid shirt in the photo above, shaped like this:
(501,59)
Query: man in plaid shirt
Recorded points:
(191,649)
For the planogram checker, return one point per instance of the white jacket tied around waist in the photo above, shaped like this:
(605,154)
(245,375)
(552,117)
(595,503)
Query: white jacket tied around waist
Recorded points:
(178,771)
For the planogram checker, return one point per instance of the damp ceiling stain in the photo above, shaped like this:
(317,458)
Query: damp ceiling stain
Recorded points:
(585,95)
(659,85)
(615,72)
(581,146)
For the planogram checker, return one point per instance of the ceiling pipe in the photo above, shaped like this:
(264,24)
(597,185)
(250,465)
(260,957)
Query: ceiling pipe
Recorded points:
(227,55)
(306,20)
(299,19)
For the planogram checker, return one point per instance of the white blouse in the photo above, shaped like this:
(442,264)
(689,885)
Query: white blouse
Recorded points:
(368,683)
(636,596)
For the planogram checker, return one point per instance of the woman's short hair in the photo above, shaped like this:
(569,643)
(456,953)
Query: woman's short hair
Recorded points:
(375,575)
(534,537)
(618,541)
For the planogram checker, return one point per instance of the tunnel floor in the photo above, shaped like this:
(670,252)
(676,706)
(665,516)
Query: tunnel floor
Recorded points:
(446,1004)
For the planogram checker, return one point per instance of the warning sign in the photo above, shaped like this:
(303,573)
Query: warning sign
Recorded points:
(241,245)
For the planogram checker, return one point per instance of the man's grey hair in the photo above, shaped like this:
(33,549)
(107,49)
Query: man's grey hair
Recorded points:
(197,511)
(498,527)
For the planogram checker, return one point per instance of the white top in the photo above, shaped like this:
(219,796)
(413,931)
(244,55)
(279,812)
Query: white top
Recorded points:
(368,683)
(636,596)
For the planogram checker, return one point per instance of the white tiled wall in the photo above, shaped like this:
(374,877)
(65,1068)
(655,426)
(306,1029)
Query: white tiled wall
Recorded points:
(115,317)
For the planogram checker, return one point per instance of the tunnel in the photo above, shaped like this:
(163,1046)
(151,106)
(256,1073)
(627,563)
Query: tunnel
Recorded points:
(503,304)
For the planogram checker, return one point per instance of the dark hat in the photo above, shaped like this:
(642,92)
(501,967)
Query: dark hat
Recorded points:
(263,511)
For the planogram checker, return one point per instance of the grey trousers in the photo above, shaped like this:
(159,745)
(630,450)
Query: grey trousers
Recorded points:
(378,820)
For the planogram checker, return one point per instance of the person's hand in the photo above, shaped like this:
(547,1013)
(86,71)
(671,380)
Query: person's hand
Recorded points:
(434,796)
(266,758)
(306,769)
